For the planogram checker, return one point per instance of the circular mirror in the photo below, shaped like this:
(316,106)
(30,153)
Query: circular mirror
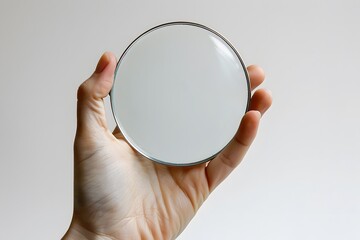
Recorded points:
(179,93)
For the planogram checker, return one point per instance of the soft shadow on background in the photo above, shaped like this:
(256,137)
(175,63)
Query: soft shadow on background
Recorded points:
(301,177)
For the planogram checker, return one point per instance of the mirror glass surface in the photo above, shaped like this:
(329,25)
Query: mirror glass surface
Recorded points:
(179,93)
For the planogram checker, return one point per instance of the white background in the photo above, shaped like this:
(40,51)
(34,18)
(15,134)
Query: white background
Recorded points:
(301,177)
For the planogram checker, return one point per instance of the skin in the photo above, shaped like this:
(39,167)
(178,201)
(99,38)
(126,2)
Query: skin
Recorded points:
(119,194)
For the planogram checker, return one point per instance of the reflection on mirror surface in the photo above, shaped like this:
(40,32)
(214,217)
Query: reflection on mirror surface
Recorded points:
(179,94)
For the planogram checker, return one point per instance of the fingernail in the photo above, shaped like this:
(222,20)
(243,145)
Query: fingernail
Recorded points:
(258,113)
(269,92)
(103,62)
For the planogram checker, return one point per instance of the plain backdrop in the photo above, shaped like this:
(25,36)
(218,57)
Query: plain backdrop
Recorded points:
(300,179)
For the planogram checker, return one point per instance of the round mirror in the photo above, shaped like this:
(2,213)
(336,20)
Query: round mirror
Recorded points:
(179,93)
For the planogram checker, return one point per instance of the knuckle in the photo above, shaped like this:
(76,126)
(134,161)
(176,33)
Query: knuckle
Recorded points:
(227,161)
(83,90)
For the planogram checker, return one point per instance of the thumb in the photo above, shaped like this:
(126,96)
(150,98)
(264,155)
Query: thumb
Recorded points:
(90,105)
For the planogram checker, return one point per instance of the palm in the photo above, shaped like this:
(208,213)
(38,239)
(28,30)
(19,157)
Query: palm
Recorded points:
(165,197)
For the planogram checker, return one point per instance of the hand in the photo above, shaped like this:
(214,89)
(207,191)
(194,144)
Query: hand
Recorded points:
(119,194)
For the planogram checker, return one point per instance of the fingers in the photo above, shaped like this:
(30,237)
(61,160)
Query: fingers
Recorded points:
(261,101)
(100,82)
(90,107)
(256,75)
(230,157)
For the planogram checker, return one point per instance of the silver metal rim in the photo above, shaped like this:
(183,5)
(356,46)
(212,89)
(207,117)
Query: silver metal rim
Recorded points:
(134,145)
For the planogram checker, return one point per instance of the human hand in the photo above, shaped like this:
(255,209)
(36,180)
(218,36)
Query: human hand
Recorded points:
(119,194)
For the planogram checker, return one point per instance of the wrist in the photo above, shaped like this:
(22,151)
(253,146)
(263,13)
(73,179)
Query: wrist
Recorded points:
(130,230)
(78,232)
